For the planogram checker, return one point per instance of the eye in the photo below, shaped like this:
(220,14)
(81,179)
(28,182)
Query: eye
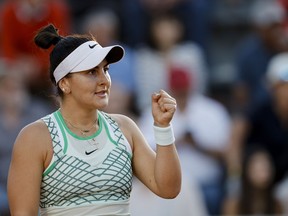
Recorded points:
(92,71)
(106,69)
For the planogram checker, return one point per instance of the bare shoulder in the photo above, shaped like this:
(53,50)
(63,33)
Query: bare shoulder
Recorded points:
(34,137)
(122,120)
(34,130)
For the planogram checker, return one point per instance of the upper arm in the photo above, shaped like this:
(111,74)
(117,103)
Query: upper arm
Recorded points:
(144,159)
(26,168)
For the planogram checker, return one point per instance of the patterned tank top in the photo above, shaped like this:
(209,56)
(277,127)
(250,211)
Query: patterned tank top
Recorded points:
(89,172)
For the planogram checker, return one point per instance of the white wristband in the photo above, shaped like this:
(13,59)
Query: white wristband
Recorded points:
(164,136)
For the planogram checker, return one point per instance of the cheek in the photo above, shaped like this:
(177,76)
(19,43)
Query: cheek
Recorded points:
(282,96)
(260,172)
(109,83)
(108,77)
(83,92)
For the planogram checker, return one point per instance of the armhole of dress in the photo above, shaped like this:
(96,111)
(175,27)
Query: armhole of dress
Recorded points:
(59,141)
(117,137)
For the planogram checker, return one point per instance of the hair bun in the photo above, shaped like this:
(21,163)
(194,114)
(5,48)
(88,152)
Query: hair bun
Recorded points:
(47,36)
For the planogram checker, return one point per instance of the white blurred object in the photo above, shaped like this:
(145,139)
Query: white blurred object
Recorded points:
(189,202)
(267,12)
(278,69)
(282,193)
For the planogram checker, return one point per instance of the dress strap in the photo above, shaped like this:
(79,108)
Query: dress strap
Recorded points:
(57,138)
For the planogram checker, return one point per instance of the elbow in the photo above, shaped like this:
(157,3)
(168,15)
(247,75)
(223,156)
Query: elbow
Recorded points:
(171,192)
(170,195)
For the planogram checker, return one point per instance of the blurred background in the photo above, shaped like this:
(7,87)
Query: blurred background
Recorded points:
(226,63)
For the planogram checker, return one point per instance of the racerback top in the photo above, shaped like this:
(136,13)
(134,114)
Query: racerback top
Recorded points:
(87,175)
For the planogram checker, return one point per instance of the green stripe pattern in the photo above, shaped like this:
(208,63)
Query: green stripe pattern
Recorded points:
(70,181)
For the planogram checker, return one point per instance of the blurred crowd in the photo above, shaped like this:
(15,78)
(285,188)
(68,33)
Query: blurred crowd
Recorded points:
(225,62)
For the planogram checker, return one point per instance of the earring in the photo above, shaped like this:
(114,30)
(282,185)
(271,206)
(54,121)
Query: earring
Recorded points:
(63,90)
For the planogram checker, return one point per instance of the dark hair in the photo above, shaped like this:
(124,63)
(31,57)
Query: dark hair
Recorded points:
(246,198)
(63,46)
(158,18)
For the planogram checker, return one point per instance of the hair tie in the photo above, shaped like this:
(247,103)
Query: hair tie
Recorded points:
(56,40)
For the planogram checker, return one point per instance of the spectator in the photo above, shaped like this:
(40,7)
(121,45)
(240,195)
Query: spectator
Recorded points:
(267,39)
(257,196)
(266,124)
(194,15)
(20,19)
(166,50)
(80,9)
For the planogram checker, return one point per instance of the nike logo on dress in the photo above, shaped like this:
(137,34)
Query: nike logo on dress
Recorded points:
(88,153)
(92,46)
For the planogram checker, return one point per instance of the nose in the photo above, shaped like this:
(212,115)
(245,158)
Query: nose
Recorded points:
(104,77)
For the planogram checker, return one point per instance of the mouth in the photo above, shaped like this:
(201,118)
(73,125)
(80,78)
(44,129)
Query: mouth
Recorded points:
(102,93)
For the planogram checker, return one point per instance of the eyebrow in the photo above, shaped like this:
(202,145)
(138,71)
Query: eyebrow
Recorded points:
(106,65)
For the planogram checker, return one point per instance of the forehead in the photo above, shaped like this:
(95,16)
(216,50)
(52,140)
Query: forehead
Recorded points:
(104,63)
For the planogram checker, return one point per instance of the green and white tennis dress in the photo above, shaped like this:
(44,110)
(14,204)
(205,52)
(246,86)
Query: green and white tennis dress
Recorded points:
(87,176)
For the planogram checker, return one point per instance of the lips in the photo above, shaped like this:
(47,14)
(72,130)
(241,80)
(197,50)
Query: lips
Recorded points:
(101,93)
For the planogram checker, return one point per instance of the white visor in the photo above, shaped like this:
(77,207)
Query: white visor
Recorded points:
(87,56)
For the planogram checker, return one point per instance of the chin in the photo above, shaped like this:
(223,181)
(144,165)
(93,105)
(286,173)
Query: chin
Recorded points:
(101,106)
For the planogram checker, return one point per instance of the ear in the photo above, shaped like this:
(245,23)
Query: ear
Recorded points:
(64,85)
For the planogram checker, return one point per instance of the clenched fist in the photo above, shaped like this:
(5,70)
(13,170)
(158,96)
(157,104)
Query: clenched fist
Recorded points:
(163,108)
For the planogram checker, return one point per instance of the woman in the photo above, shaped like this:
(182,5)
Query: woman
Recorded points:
(79,160)
(257,196)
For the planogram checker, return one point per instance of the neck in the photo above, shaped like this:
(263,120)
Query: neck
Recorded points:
(83,120)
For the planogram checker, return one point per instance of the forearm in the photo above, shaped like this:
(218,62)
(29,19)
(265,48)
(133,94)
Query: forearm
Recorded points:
(167,171)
